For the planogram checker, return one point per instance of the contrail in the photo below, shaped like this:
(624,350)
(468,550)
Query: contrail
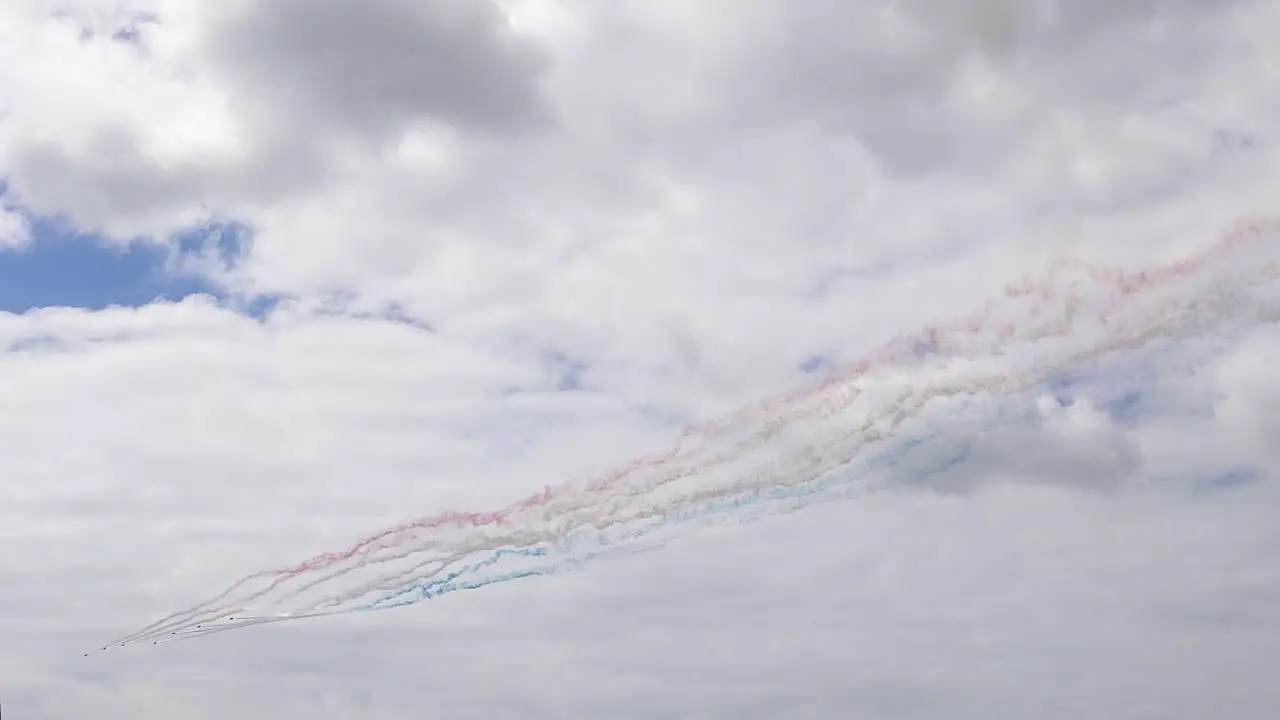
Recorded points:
(837,438)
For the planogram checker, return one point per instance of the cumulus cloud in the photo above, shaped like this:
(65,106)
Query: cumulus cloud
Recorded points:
(508,243)
(370,68)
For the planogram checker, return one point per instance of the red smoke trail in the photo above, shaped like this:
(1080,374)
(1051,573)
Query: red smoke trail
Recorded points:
(945,340)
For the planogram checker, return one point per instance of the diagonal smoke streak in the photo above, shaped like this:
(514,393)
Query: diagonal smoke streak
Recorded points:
(1007,347)
(773,489)
(513,538)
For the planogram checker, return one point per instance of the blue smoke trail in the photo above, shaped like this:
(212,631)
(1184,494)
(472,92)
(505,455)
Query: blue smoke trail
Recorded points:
(836,484)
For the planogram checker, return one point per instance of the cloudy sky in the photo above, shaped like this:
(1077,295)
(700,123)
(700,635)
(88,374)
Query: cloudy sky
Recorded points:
(276,274)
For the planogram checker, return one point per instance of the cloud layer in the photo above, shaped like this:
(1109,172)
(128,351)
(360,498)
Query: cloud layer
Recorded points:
(510,243)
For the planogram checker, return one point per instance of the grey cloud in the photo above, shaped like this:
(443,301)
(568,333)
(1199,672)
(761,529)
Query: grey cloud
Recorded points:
(1101,460)
(884,76)
(114,180)
(117,188)
(300,75)
(369,67)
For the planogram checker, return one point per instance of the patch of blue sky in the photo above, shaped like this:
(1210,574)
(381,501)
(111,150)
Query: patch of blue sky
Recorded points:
(346,303)
(816,363)
(223,243)
(128,26)
(1132,387)
(62,267)
(570,373)
(131,30)
(1229,479)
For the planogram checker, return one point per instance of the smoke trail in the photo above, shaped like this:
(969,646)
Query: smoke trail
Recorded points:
(781,448)
(1124,284)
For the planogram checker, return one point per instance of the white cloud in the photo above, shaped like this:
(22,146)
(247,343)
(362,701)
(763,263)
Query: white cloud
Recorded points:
(15,230)
(689,199)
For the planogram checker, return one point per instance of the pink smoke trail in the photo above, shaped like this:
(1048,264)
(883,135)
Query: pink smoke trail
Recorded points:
(945,339)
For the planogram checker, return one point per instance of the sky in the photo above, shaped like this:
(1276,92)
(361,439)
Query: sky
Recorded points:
(276,275)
